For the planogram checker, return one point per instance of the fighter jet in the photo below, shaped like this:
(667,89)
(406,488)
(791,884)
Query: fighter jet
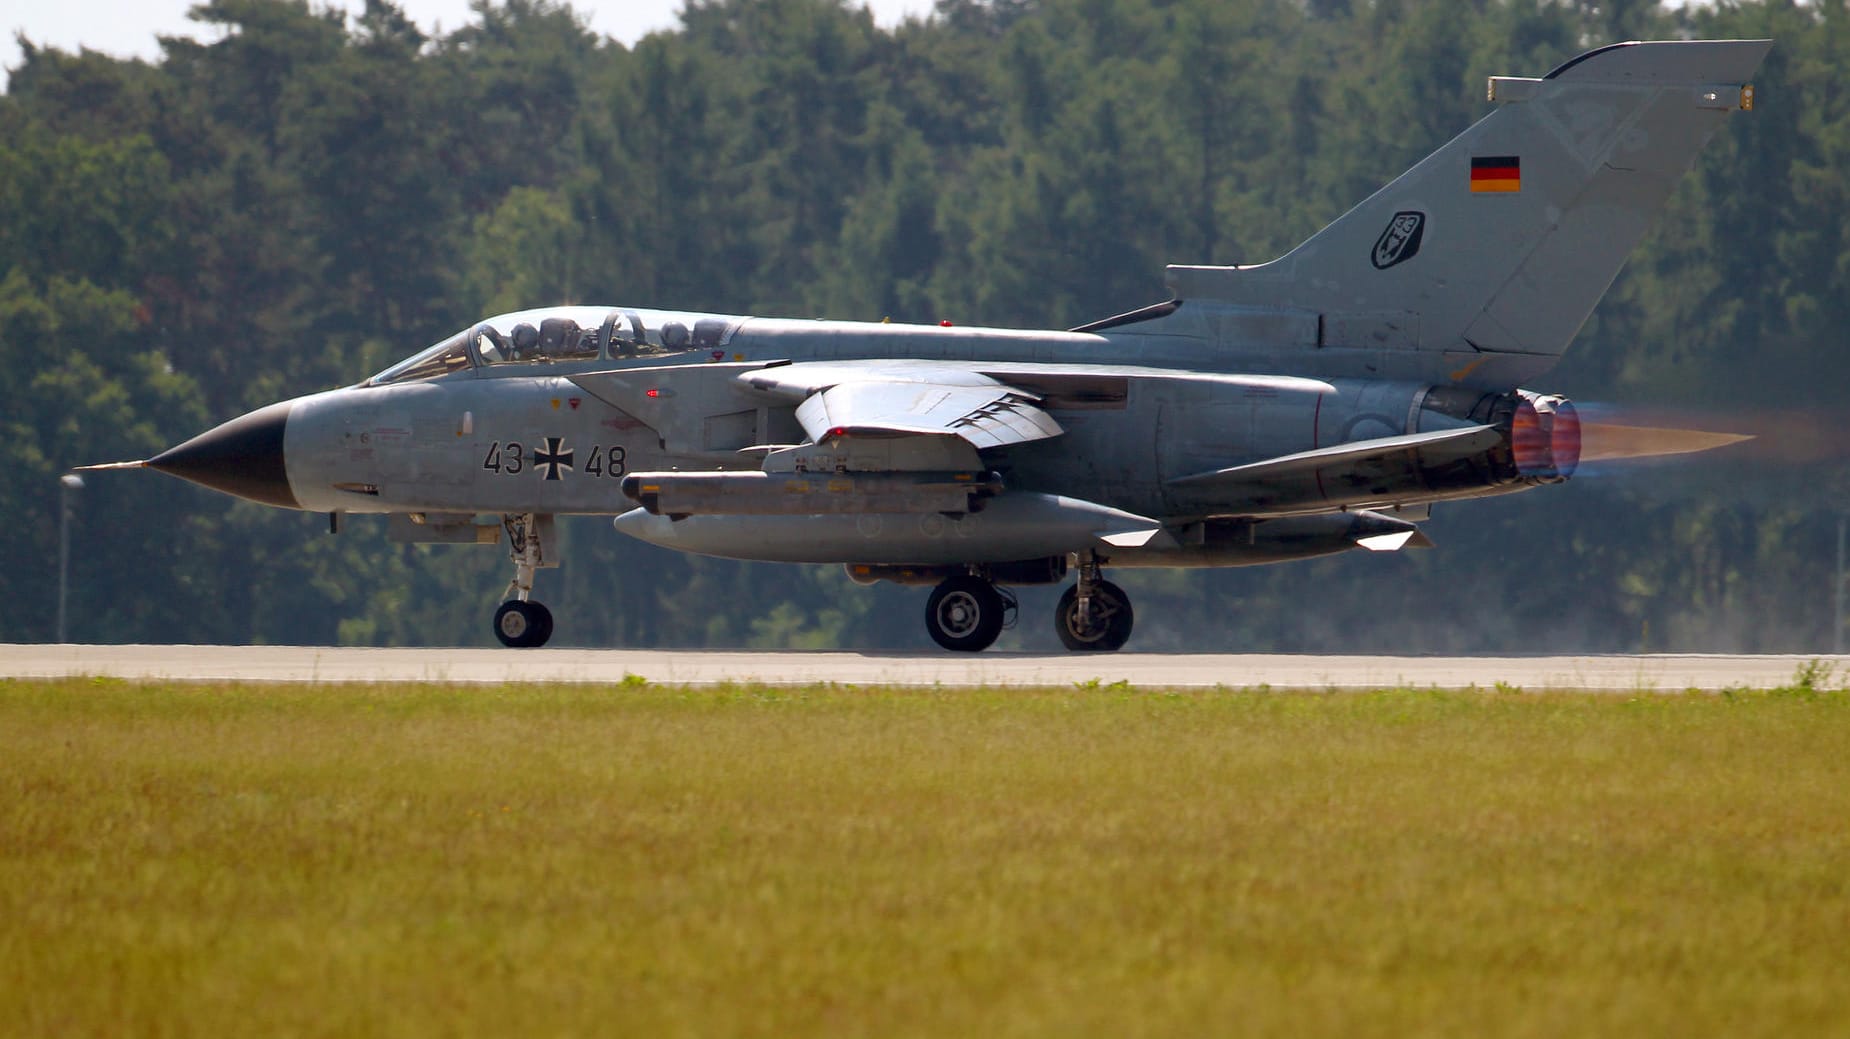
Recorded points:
(1315,404)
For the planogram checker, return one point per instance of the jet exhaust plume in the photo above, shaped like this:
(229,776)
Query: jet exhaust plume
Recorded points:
(1763,437)
(1606,441)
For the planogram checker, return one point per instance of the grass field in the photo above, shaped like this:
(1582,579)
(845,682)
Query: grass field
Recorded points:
(638,860)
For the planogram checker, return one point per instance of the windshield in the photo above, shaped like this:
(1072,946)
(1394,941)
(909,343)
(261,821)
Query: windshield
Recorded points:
(448,356)
(567,334)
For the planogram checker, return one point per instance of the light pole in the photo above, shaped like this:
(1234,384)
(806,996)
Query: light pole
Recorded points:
(1837,629)
(66,484)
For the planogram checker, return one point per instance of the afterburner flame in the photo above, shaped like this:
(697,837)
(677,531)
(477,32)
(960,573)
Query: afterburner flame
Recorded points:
(1605,441)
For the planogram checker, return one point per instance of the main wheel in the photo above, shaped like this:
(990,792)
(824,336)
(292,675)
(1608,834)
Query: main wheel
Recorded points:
(964,614)
(523,625)
(1107,625)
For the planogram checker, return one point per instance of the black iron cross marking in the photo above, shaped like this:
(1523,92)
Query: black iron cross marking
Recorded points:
(553,458)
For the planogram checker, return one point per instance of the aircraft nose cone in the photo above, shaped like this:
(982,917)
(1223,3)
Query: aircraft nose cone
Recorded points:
(242,457)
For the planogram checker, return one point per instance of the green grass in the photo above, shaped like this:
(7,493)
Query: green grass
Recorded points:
(640,860)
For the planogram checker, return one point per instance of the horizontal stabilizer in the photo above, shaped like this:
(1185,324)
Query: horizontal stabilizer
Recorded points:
(1439,446)
(1342,474)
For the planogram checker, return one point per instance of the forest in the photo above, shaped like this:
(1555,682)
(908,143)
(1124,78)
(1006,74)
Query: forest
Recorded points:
(312,196)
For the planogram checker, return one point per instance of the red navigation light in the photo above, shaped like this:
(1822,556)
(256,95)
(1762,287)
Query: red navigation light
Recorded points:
(944,324)
(652,393)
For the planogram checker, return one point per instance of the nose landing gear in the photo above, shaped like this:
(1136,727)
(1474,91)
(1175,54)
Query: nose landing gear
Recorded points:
(521,623)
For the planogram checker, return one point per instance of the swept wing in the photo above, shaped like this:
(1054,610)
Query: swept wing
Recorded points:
(842,400)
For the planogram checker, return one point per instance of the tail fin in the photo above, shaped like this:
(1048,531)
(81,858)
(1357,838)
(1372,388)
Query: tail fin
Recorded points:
(1502,241)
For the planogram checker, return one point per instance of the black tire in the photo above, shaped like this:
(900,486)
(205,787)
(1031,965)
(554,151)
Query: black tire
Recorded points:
(1109,620)
(523,625)
(964,614)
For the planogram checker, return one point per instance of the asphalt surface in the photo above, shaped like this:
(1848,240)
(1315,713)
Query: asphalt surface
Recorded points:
(1649,673)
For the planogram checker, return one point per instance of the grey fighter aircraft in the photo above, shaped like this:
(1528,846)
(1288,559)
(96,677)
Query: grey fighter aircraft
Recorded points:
(1314,404)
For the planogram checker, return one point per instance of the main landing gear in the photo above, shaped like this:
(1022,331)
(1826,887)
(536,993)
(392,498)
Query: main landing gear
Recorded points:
(521,622)
(1094,614)
(967,612)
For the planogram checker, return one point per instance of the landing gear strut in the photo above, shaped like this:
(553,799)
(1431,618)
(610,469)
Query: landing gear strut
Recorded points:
(521,622)
(1094,614)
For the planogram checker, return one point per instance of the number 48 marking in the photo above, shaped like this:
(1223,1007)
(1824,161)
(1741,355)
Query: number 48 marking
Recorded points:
(605,463)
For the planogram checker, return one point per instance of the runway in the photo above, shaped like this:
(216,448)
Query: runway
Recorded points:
(1649,673)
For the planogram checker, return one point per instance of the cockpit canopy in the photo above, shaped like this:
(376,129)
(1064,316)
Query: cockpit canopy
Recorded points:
(559,335)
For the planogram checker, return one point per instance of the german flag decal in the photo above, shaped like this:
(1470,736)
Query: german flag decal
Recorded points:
(1496,173)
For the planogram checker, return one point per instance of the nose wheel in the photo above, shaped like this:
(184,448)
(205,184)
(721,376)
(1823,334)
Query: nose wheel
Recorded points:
(523,625)
(1094,615)
(965,614)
